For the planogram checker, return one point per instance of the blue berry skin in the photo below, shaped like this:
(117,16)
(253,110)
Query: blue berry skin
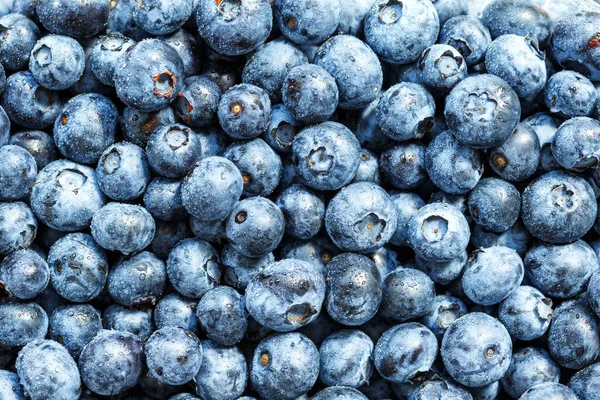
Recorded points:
(223,373)
(526,313)
(197,103)
(255,226)
(352,17)
(46,370)
(133,320)
(187,396)
(269,66)
(284,366)
(239,269)
(244,111)
(317,251)
(339,392)
(88,82)
(575,144)
(173,150)
(74,326)
(448,9)
(529,367)
(123,172)
(123,227)
(492,274)
(438,232)
(39,144)
(558,207)
(231,28)
(593,292)
(404,351)
(354,289)
(29,104)
(442,272)
(106,54)
(112,362)
(407,294)
(367,131)
(28,322)
(78,267)
(441,388)
(443,312)
(286,295)
(18,171)
(10,386)
(307,22)
(173,355)
(368,169)
(346,359)
(405,111)
(570,94)
(57,62)
(585,382)
(518,157)
(519,61)
(360,80)
(18,227)
(21,34)
(467,35)
(149,76)
(440,67)
(80,20)
(167,235)
(162,199)
(476,350)
(399,32)
(573,338)
(222,315)
(563,270)
(303,210)
(161,17)
(5,128)
(453,166)
(494,204)
(211,231)
(193,268)
(549,390)
(24,274)
(482,111)
(176,310)
(403,165)
(517,17)
(361,218)
(137,126)
(186,45)
(137,280)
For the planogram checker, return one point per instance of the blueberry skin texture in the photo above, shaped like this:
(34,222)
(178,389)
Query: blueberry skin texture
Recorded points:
(410,340)
(561,271)
(526,313)
(346,359)
(211,231)
(21,34)
(529,367)
(162,199)
(86,127)
(442,272)
(453,166)
(197,103)
(361,218)
(326,156)
(137,280)
(4,128)
(29,322)
(443,312)
(467,35)
(193,268)
(173,150)
(573,338)
(46,370)
(585,382)
(29,104)
(24,274)
(482,111)
(112,362)
(244,111)
(259,165)
(476,350)
(354,289)
(570,94)
(549,390)
(440,67)
(78,267)
(307,22)
(284,366)
(593,291)
(548,217)
(74,326)
(80,20)
(304,212)
(403,165)
(492,274)
(223,374)
(123,172)
(176,310)
(106,54)
(149,76)
(317,251)
(405,111)
(18,171)
(518,157)
(222,315)
(269,66)
(441,388)
(57,62)
(239,269)
(133,320)
(161,17)
(294,300)
(339,392)
(188,49)
(359,80)
(39,144)
(517,17)
(399,32)
(66,195)
(575,144)
(407,293)
(10,386)
(137,126)
(495,204)
(18,227)
(368,169)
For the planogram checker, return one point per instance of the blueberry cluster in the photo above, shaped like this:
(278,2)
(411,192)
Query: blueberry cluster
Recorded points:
(299,199)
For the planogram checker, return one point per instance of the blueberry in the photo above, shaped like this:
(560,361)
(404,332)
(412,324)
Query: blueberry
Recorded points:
(211,231)
(88,82)
(78,267)
(239,269)
(173,150)
(368,169)
(137,280)
(57,62)
(10,386)
(442,272)
(132,320)
(197,102)
(46,369)
(366,129)
(137,127)
(24,274)
(305,22)
(28,322)
(570,94)
(517,17)
(39,144)
(346,359)
(443,312)
(74,326)
(317,251)
(161,17)
(494,204)
(19,36)
(547,390)
(244,111)
(222,315)
(176,310)
(223,373)
(575,144)
(106,54)
(188,49)
(69,18)
(121,19)
(437,386)
(529,367)
(123,172)
(18,227)
(352,16)
(526,313)
(467,35)
(284,366)
(5,129)
(339,392)
(303,211)
(18,171)
(585,382)
(167,235)
(441,67)
(403,165)
(407,294)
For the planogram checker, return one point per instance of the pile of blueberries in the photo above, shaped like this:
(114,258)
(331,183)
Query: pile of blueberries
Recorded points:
(299,199)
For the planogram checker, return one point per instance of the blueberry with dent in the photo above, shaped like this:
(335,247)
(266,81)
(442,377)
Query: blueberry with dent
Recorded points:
(173,150)
(443,312)
(440,67)
(346,358)
(197,103)
(123,172)
(106,54)
(305,22)
(137,280)
(18,227)
(467,35)
(576,144)
(526,313)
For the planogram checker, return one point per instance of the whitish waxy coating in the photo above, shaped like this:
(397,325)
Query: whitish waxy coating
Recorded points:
(74,326)
(529,367)
(10,387)
(576,144)
(137,280)
(339,392)
(28,322)
(193,267)
(18,171)
(526,313)
(24,274)
(222,315)
(57,62)
(223,373)
(346,359)
(467,35)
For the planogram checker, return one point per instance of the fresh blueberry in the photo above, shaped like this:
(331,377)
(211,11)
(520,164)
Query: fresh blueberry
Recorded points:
(441,66)
(518,157)
(317,251)
(244,111)
(467,35)
(198,101)
(441,387)
(74,326)
(57,62)
(443,272)
(173,150)
(239,269)
(123,172)
(137,127)
(66,17)
(132,320)
(161,17)
(407,294)
(223,373)
(570,94)
(593,290)
(24,274)
(10,386)
(88,82)
(494,204)
(18,227)
(352,16)
(306,22)
(188,48)
(137,280)
(303,210)
(39,144)
(575,145)
(18,171)
(529,367)
(548,390)
(368,169)
(585,382)
(106,55)
(212,231)
(526,313)
(19,35)
(443,312)
(222,315)
(346,359)
(162,199)
(28,322)
(517,17)
(339,392)
(403,165)
(176,310)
